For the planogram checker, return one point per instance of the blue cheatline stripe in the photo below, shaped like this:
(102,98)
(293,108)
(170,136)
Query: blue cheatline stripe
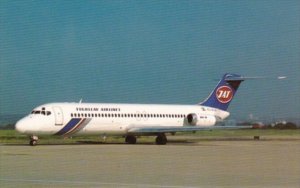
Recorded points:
(70,125)
(77,127)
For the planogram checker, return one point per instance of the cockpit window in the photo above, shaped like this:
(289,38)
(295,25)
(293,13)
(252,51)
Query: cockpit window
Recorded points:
(43,112)
(37,112)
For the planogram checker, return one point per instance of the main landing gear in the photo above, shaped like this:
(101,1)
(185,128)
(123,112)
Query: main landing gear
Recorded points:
(130,139)
(161,139)
(33,140)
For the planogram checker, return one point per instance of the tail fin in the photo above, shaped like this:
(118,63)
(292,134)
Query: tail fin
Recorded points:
(224,92)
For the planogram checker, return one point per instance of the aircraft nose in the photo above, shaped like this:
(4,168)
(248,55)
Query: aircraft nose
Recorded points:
(20,126)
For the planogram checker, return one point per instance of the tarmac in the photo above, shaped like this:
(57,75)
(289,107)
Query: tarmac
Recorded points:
(202,164)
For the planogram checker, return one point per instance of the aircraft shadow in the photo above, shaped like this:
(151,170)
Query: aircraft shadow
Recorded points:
(83,142)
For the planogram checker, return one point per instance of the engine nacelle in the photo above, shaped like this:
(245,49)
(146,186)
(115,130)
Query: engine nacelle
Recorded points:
(192,119)
(200,120)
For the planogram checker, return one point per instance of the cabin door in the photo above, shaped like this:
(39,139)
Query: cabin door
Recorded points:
(59,119)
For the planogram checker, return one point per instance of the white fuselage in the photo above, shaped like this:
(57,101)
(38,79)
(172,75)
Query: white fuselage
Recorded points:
(111,119)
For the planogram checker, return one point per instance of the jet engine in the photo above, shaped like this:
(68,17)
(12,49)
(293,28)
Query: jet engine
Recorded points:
(200,120)
(192,119)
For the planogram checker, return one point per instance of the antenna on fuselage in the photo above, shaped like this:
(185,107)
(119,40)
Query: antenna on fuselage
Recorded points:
(80,101)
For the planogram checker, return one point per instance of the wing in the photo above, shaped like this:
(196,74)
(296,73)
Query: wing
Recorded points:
(136,129)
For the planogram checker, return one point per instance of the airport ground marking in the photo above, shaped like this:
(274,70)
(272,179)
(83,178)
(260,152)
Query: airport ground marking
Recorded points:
(93,183)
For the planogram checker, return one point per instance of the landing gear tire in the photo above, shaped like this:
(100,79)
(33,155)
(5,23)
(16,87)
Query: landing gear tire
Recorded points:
(33,140)
(161,139)
(130,139)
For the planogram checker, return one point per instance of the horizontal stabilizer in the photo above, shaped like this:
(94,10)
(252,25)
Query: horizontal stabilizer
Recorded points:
(242,78)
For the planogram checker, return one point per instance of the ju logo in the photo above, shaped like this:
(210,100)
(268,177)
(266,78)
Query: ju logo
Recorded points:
(224,94)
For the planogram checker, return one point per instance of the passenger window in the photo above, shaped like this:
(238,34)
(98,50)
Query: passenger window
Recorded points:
(71,115)
(48,113)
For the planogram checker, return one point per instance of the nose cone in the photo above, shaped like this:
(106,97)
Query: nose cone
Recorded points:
(20,126)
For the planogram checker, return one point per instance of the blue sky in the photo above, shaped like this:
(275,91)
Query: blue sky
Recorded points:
(149,52)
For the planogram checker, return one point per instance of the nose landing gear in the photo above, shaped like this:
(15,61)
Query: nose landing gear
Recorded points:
(33,140)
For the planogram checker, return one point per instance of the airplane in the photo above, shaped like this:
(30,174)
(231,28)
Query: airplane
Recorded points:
(132,120)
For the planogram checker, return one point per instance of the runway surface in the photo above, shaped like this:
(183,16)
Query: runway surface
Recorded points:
(203,164)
